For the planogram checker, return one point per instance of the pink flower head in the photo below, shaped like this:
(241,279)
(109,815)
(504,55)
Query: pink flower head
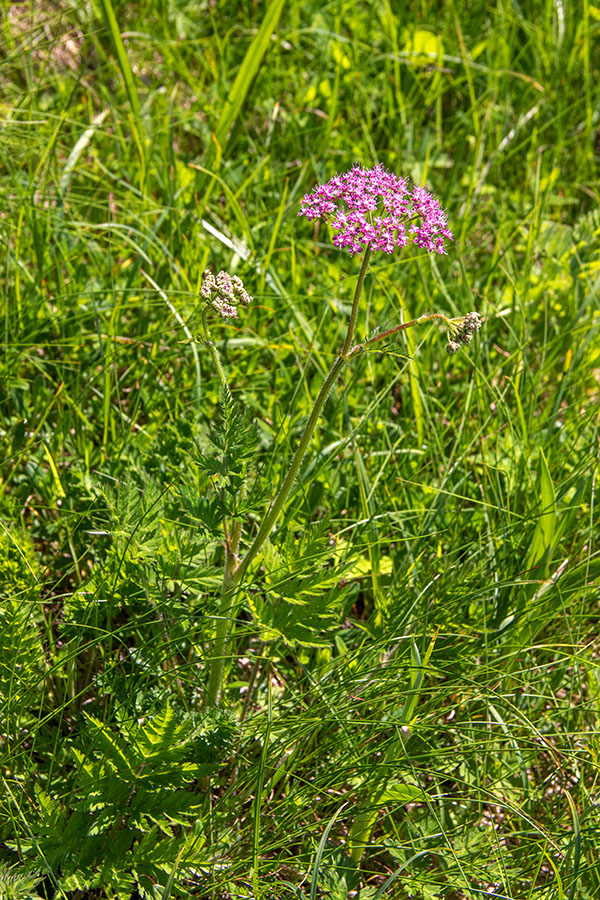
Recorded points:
(372,207)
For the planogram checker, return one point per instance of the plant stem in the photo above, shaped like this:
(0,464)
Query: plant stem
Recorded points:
(338,363)
(224,622)
(390,331)
(206,340)
(357,293)
(232,540)
(277,504)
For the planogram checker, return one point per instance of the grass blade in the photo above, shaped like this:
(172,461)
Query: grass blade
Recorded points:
(241,88)
(258,798)
(128,77)
(314,884)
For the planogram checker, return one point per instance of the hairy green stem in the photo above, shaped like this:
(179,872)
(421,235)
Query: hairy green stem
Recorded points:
(355,302)
(277,504)
(206,340)
(282,495)
(391,331)
(223,627)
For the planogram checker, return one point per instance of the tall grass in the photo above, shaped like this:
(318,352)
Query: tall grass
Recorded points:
(411,707)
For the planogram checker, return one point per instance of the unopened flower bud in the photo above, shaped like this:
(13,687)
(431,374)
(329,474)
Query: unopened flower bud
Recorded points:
(472,323)
(224,293)
(208,285)
(462,329)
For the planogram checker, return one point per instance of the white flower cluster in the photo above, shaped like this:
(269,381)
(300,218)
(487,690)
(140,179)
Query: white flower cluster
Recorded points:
(224,292)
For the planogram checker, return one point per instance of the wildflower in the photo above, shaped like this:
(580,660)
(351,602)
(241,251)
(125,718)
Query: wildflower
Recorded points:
(432,230)
(224,293)
(373,207)
(461,330)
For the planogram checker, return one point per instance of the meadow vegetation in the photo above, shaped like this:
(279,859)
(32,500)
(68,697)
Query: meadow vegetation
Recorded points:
(409,706)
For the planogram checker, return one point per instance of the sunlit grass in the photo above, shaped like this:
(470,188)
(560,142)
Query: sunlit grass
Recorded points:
(437,705)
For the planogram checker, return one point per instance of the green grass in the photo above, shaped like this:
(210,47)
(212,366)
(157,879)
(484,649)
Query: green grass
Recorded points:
(412,705)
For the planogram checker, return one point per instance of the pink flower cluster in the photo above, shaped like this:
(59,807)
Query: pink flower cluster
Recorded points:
(374,208)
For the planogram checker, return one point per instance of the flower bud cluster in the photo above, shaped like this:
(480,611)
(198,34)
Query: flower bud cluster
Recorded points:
(224,292)
(461,331)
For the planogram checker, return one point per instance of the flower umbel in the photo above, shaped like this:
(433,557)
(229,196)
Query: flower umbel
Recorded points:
(373,208)
(461,330)
(224,292)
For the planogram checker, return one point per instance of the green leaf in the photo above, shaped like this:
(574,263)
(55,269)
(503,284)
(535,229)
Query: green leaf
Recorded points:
(544,534)
(234,437)
(161,739)
(419,668)
(111,745)
(305,590)
(399,793)
(396,793)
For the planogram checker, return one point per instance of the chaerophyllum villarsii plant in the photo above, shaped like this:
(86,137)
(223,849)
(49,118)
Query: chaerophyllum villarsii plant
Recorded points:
(368,210)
